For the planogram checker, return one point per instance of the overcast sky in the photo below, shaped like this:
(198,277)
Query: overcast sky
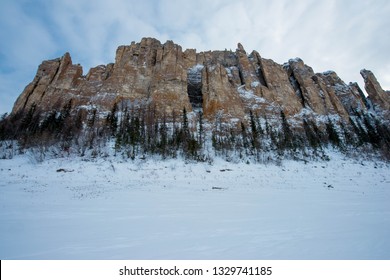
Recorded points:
(344,35)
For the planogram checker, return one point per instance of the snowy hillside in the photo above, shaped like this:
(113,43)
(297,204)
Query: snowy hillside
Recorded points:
(106,209)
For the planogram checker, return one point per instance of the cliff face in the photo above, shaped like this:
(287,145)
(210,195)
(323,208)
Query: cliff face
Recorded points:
(218,82)
(377,95)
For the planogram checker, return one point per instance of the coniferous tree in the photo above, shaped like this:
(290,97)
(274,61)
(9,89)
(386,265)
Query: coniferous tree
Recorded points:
(363,135)
(91,118)
(372,133)
(201,129)
(91,133)
(311,136)
(254,140)
(333,136)
(3,127)
(78,125)
(244,136)
(3,116)
(185,123)
(66,125)
(184,132)
(384,131)
(112,119)
(66,110)
(348,135)
(27,119)
(163,144)
(287,141)
(267,126)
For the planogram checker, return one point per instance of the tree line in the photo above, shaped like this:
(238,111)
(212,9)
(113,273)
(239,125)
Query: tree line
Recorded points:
(133,132)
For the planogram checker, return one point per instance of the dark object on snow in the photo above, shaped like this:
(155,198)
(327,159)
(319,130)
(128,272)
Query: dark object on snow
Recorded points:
(64,170)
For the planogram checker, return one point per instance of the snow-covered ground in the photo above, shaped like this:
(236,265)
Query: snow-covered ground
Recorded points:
(107,209)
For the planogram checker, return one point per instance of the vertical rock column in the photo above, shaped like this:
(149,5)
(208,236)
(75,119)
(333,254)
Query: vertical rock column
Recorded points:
(219,97)
(377,95)
(169,85)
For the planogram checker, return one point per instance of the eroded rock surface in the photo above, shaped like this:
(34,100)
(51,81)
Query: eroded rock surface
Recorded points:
(228,83)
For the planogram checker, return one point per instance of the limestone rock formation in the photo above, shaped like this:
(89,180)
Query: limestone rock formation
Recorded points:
(247,69)
(219,97)
(377,95)
(275,85)
(54,84)
(228,83)
(312,89)
(351,96)
(146,72)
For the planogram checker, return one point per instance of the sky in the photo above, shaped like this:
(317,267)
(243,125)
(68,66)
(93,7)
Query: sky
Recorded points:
(344,35)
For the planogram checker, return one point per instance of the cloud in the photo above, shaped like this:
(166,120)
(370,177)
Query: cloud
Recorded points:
(23,38)
(25,43)
(94,30)
(342,35)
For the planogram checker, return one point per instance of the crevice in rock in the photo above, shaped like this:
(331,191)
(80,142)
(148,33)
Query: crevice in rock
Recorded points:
(30,93)
(241,76)
(109,70)
(297,88)
(260,74)
(56,73)
(361,94)
(52,79)
(194,86)
(154,58)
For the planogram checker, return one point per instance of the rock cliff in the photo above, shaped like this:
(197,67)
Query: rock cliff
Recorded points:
(228,83)
(376,94)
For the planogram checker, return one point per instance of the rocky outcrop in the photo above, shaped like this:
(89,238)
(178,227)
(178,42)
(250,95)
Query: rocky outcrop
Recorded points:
(376,94)
(312,89)
(149,72)
(351,96)
(224,83)
(357,91)
(54,84)
(218,94)
(247,69)
(143,73)
(275,85)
